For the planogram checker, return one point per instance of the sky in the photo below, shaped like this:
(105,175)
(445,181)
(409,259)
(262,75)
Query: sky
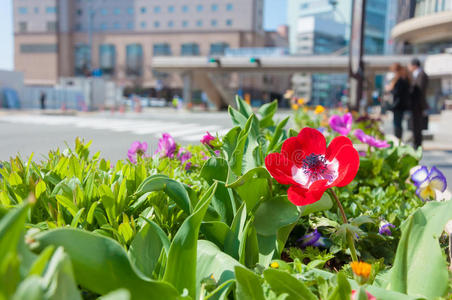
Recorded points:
(274,14)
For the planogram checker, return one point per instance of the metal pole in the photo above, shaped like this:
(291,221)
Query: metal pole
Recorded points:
(356,65)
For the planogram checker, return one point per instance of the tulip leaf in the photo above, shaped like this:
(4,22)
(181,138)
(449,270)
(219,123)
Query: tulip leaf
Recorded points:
(259,172)
(237,118)
(243,107)
(249,285)
(283,283)
(101,265)
(216,232)
(121,294)
(274,214)
(213,262)
(343,289)
(325,203)
(175,190)
(181,266)
(419,244)
(277,135)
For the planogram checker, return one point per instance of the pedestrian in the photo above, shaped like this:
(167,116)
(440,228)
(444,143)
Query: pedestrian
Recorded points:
(419,105)
(399,87)
(42,99)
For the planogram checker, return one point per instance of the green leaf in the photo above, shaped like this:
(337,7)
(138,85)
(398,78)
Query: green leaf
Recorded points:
(30,289)
(249,285)
(237,118)
(40,263)
(283,283)
(147,246)
(40,189)
(215,232)
(259,172)
(121,294)
(343,289)
(230,141)
(181,267)
(77,217)
(234,236)
(274,214)
(243,107)
(212,261)
(419,244)
(325,203)
(172,188)
(215,168)
(11,228)
(272,147)
(68,204)
(101,265)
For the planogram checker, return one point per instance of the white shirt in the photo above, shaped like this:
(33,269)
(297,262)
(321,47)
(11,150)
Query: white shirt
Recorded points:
(416,72)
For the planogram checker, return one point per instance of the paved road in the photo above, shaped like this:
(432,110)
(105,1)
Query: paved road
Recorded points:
(22,133)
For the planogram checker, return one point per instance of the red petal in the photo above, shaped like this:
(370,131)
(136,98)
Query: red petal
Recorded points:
(312,141)
(348,159)
(292,148)
(301,196)
(336,144)
(280,167)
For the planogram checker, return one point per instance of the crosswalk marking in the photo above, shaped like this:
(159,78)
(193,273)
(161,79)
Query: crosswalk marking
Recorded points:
(190,132)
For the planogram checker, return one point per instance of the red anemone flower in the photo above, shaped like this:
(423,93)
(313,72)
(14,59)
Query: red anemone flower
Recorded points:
(310,167)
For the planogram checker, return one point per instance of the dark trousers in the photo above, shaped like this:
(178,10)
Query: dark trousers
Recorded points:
(417,127)
(398,118)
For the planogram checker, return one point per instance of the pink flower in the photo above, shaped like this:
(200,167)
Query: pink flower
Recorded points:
(207,139)
(369,296)
(136,149)
(343,124)
(370,140)
(166,146)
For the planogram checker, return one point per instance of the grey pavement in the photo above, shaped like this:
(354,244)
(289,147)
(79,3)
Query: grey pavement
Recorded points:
(26,132)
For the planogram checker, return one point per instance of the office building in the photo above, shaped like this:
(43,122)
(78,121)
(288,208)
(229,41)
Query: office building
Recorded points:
(63,38)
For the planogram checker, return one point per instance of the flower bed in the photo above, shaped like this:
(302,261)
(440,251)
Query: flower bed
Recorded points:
(263,212)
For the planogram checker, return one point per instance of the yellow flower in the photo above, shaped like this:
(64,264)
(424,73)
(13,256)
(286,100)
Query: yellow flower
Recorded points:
(300,101)
(319,109)
(274,265)
(305,109)
(295,106)
(361,269)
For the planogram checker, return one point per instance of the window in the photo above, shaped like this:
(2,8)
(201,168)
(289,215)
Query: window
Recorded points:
(116,25)
(107,58)
(162,49)
(228,22)
(185,8)
(134,59)
(214,23)
(218,48)
(79,12)
(51,26)
(103,26)
(190,49)
(171,9)
(184,23)
(214,7)
(143,24)
(157,9)
(51,9)
(78,27)
(143,10)
(199,23)
(117,11)
(130,10)
(38,48)
(104,11)
(130,25)
(36,10)
(23,10)
(170,24)
(22,26)
(304,6)
(82,59)
(156,24)
(199,8)
(229,7)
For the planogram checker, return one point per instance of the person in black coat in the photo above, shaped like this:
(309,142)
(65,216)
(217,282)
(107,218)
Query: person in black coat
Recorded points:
(419,105)
(400,90)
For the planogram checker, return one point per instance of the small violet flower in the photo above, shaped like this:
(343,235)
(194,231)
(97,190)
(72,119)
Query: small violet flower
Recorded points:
(207,139)
(166,146)
(370,140)
(430,184)
(343,124)
(313,239)
(184,155)
(385,229)
(136,149)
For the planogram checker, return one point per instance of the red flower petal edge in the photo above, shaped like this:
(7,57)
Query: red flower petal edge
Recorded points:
(310,168)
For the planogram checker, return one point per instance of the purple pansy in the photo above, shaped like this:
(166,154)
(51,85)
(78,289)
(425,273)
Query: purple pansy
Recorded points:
(343,124)
(136,149)
(314,239)
(166,146)
(429,183)
(385,229)
(183,155)
(370,140)
(207,139)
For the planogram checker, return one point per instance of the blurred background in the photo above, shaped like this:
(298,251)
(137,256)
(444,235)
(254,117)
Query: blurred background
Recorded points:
(126,67)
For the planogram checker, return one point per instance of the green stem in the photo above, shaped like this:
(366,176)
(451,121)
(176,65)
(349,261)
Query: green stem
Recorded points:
(350,241)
